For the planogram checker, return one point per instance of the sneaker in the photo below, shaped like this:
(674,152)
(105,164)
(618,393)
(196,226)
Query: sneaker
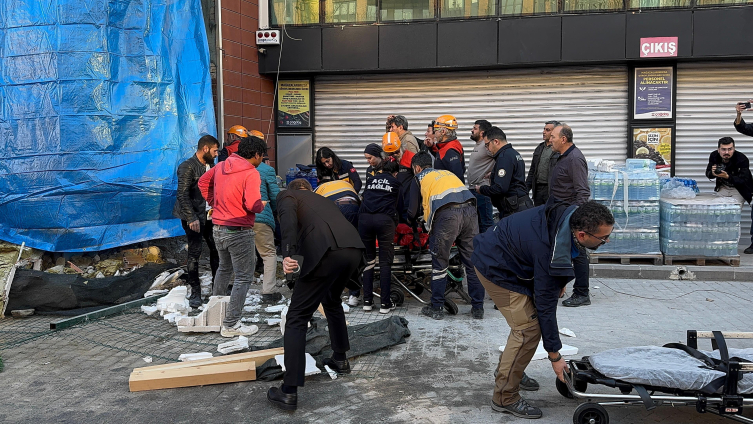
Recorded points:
(576,300)
(749,250)
(477,313)
(386,309)
(529,384)
(368,305)
(434,313)
(271,297)
(238,330)
(520,409)
(353,301)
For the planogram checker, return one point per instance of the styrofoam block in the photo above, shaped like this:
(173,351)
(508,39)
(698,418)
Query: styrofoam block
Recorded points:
(185,357)
(274,309)
(567,332)
(234,345)
(566,350)
(311,368)
(346,308)
(184,321)
(273,321)
(149,310)
(200,329)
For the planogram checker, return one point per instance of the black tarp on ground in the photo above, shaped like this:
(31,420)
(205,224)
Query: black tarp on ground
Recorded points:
(48,293)
(364,339)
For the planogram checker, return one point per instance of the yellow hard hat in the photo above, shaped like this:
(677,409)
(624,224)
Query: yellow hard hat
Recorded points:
(255,133)
(390,142)
(238,130)
(446,121)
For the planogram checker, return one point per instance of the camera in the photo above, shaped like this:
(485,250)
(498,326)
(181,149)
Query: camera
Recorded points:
(720,168)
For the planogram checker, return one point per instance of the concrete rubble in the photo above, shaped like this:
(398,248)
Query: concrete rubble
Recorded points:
(209,320)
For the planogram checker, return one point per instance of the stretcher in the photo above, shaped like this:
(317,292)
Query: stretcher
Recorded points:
(719,382)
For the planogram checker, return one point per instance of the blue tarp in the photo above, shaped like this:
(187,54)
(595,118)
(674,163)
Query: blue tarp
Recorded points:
(100,101)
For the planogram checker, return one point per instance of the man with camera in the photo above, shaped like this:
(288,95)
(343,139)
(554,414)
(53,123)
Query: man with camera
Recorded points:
(321,247)
(740,124)
(731,170)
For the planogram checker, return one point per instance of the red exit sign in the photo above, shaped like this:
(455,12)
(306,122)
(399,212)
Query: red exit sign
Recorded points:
(659,47)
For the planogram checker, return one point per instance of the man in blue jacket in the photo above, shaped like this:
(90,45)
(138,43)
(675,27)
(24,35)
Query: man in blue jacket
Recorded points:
(524,263)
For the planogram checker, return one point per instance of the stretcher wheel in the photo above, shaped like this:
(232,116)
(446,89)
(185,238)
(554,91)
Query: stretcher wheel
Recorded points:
(417,289)
(450,307)
(397,297)
(562,388)
(590,413)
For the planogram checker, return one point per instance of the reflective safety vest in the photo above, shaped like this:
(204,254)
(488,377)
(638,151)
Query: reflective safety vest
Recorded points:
(334,190)
(440,188)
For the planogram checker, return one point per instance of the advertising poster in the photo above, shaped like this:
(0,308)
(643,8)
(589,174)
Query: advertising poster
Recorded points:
(653,93)
(654,144)
(294,104)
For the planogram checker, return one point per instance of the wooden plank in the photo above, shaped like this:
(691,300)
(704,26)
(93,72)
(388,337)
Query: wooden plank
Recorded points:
(626,259)
(701,260)
(258,356)
(193,376)
(112,310)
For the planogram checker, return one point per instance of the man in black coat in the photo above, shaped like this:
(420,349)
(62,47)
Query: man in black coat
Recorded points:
(731,170)
(538,176)
(313,227)
(191,208)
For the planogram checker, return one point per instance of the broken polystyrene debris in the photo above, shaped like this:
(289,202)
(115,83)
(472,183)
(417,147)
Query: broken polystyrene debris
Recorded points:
(274,309)
(99,275)
(233,345)
(209,320)
(175,301)
(166,278)
(148,359)
(154,292)
(283,318)
(332,374)
(185,357)
(346,308)
(251,308)
(149,310)
(567,332)
(22,313)
(541,353)
(273,321)
(172,317)
(311,368)
(252,299)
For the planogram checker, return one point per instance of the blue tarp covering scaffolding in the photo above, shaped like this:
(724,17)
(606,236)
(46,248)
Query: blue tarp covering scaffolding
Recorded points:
(100,101)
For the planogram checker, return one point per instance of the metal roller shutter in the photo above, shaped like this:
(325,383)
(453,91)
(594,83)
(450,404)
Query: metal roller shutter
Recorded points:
(706,97)
(351,110)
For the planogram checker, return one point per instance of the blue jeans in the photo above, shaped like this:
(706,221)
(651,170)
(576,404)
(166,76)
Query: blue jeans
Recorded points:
(237,255)
(485,211)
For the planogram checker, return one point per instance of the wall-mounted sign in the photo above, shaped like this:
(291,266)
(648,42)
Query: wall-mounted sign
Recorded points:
(654,144)
(294,104)
(653,93)
(659,47)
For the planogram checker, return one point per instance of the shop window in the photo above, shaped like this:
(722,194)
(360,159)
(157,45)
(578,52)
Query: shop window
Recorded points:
(468,8)
(721,2)
(591,5)
(658,4)
(527,7)
(294,12)
(343,11)
(407,10)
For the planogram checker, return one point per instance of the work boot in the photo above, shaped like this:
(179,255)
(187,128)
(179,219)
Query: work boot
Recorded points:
(576,300)
(238,330)
(195,300)
(520,409)
(477,313)
(529,384)
(749,250)
(340,367)
(434,313)
(271,297)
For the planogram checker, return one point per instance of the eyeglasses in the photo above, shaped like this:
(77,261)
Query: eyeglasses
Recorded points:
(602,240)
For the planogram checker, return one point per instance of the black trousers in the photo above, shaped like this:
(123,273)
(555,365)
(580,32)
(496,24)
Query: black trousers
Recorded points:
(323,284)
(582,268)
(372,228)
(194,251)
(542,194)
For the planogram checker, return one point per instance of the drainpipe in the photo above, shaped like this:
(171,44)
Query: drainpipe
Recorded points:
(220,78)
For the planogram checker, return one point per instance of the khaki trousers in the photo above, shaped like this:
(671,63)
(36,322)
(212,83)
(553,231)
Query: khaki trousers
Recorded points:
(265,245)
(525,333)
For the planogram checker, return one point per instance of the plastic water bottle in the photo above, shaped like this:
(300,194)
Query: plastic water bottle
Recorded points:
(291,175)
(312,178)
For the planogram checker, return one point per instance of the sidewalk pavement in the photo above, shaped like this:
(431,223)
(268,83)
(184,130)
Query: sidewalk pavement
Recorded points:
(443,374)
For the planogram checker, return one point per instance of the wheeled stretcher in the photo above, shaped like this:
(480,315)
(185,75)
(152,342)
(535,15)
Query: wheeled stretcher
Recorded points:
(718,382)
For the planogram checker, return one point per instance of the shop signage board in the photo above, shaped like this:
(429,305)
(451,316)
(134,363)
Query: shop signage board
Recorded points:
(294,104)
(653,93)
(659,47)
(654,144)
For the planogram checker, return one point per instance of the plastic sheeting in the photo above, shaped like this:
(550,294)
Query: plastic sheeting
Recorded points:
(664,367)
(100,101)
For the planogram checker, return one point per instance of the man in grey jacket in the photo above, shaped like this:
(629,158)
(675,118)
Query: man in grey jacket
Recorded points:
(480,164)
(568,182)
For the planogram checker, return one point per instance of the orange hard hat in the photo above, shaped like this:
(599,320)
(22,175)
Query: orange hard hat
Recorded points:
(390,142)
(238,130)
(255,133)
(446,121)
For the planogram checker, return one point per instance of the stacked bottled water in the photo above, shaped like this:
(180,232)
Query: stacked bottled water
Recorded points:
(301,171)
(707,226)
(635,210)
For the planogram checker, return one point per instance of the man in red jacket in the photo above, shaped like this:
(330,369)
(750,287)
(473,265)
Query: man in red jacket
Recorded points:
(232,190)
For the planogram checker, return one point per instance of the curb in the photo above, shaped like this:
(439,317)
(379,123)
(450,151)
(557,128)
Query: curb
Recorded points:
(662,272)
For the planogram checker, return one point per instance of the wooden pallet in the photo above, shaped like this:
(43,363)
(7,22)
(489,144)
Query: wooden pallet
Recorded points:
(701,260)
(626,259)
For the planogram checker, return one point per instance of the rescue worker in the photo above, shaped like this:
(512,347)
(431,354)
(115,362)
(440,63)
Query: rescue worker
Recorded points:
(373,155)
(398,124)
(329,167)
(392,147)
(507,187)
(233,137)
(446,149)
(449,211)
(376,223)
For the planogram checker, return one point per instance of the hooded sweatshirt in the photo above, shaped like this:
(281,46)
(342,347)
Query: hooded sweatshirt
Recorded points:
(232,190)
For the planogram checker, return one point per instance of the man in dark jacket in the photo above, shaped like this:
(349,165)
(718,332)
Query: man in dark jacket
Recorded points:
(538,176)
(731,170)
(507,187)
(568,182)
(528,256)
(191,208)
(314,228)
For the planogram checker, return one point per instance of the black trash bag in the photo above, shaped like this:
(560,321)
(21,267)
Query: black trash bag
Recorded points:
(364,339)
